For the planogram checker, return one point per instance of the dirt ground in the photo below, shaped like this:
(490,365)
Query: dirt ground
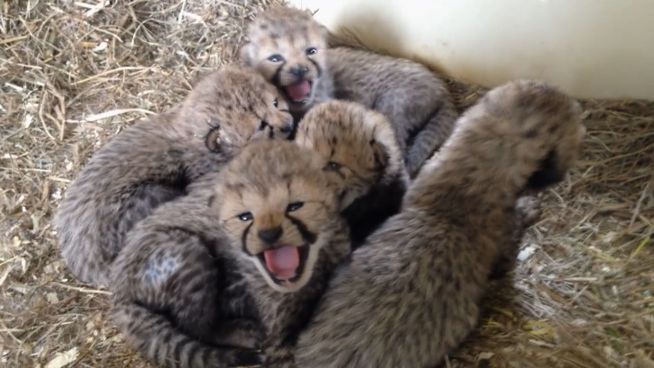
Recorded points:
(73,74)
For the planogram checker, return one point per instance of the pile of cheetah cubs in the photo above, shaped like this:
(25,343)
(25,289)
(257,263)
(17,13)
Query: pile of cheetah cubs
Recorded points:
(313,207)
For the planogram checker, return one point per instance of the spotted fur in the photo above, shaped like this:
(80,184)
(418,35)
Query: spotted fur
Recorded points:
(190,288)
(413,292)
(154,160)
(283,40)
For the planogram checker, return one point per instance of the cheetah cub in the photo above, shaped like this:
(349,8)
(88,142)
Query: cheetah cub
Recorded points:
(359,151)
(412,293)
(235,265)
(154,160)
(289,48)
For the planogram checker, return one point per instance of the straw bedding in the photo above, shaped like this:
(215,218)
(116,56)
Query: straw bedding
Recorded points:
(73,74)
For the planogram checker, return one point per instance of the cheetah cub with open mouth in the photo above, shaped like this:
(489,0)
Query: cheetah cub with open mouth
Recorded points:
(235,265)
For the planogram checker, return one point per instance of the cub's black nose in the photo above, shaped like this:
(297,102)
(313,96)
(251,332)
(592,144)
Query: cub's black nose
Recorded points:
(271,235)
(287,128)
(299,71)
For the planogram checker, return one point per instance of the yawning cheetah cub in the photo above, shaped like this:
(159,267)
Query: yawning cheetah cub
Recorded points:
(236,264)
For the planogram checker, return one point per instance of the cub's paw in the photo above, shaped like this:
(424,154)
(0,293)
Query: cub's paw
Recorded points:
(527,213)
(239,333)
(279,357)
(247,358)
(528,209)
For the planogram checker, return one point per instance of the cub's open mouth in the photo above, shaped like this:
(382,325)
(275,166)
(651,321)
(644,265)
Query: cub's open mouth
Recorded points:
(298,92)
(284,264)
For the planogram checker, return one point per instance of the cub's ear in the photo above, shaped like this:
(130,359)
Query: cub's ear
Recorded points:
(325,33)
(380,155)
(389,161)
(215,138)
(323,30)
(246,53)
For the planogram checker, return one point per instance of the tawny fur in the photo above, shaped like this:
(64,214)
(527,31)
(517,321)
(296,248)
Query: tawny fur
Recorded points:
(412,293)
(189,289)
(359,151)
(413,98)
(154,160)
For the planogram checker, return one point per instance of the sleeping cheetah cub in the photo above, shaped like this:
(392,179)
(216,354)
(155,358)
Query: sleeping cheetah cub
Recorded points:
(359,149)
(289,48)
(237,263)
(412,293)
(153,161)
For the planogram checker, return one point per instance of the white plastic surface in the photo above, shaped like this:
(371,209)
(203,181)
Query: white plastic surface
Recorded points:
(590,48)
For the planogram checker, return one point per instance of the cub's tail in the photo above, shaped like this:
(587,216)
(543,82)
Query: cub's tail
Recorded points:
(436,130)
(156,338)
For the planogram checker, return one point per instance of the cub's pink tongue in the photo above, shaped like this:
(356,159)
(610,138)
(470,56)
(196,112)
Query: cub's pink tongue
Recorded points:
(299,91)
(282,262)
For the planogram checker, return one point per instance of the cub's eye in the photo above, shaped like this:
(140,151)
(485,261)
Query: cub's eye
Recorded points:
(276,58)
(212,141)
(333,166)
(294,206)
(275,103)
(245,216)
(312,51)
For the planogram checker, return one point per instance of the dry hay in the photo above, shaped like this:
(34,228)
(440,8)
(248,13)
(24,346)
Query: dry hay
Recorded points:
(74,74)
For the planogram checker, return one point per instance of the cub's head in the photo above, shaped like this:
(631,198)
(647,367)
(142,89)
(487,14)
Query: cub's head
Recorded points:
(230,107)
(544,122)
(357,147)
(287,47)
(278,208)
